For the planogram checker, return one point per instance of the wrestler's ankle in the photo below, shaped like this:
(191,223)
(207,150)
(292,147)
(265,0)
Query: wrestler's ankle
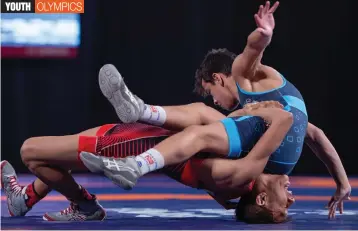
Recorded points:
(150,161)
(155,115)
(80,194)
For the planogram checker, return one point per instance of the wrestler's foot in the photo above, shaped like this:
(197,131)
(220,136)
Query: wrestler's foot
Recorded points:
(15,194)
(89,210)
(128,106)
(123,172)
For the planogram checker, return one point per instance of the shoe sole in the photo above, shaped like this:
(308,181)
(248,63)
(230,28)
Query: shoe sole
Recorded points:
(46,217)
(2,165)
(95,164)
(119,180)
(115,90)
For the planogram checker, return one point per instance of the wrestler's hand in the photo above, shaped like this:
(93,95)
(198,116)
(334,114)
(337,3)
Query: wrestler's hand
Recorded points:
(342,193)
(237,113)
(265,20)
(251,107)
(267,110)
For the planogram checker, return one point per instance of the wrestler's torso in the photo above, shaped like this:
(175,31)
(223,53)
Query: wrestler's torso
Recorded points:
(283,160)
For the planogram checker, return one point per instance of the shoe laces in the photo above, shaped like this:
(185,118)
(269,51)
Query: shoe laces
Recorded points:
(111,162)
(14,185)
(70,209)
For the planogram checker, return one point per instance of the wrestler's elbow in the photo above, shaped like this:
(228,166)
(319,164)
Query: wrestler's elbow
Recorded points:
(314,133)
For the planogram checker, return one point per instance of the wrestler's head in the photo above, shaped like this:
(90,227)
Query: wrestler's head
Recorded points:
(268,201)
(213,77)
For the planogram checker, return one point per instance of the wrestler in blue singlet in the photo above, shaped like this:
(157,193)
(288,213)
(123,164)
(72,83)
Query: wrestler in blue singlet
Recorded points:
(244,132)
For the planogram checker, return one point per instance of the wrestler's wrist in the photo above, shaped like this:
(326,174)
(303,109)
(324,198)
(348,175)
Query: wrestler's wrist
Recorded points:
(265,32)
(343,184)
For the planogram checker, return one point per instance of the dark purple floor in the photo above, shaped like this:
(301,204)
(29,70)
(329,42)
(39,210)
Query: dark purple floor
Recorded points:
(177,214)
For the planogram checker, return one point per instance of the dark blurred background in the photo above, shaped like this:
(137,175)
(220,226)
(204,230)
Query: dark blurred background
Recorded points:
(157,46)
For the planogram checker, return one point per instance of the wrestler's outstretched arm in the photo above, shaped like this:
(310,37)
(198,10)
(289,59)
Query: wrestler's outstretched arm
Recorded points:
(246,63)
(325,151)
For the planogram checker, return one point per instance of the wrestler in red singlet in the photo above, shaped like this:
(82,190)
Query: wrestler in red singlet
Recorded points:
(121,140)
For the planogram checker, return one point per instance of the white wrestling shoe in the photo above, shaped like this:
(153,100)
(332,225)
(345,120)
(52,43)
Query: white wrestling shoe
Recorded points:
(15,194)
(88,210)
(128,106)
(123,172)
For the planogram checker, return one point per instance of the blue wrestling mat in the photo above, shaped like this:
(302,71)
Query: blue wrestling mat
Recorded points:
(159,203)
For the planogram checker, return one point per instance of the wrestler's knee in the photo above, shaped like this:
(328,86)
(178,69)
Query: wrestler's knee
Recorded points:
(197,106)
(198,135)
(205,114)
(210,138)
(196,112)
(203,108)
(28,151)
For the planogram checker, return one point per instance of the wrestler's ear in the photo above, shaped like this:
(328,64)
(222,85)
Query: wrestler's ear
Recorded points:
(218,78)
(261,199)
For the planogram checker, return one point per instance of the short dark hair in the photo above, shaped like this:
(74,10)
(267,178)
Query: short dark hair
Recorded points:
(215,61)
(248,211)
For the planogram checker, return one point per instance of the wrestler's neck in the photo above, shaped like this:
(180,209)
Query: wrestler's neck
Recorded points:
(231,85)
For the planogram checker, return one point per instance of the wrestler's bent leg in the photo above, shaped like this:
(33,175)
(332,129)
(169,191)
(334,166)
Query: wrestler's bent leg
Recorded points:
(117,140)
(42,189)
(39,154)
(130,108)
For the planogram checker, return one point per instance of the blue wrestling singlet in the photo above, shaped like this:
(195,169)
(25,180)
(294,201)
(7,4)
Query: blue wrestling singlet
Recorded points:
(244,132)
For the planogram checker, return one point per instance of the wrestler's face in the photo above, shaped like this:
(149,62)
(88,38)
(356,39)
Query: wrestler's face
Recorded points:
(275,194)
(222,96)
